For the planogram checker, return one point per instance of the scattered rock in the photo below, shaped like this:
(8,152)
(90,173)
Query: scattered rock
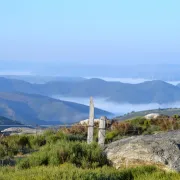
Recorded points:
(86,121)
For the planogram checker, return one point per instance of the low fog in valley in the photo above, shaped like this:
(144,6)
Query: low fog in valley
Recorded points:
(116,108)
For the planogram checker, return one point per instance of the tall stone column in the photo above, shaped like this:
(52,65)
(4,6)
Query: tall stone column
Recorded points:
(102,131)
(91,122)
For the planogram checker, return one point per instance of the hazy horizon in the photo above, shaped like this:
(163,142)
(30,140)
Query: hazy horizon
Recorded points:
(166,72)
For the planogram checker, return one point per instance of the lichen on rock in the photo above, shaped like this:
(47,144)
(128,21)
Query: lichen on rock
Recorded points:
(161,149)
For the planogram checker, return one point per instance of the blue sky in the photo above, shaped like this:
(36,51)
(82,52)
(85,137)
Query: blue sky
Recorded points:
(90,31)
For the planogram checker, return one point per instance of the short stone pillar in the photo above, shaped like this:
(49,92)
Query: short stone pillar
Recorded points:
(102,131)
(91,122)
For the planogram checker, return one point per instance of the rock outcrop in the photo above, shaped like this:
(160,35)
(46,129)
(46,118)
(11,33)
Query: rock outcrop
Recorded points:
(86,121)
(152,116)
(21,130)
(161,149)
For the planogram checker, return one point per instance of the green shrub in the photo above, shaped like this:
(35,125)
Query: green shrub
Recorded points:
(138,121)
(79,153)
(10,145)
(23,164)
(37,141)
(23,142)
(2,152)
(48,132)
(110,135)
(152,129)
(77,137)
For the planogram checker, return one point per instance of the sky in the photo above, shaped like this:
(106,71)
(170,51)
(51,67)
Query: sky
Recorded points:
(89,32)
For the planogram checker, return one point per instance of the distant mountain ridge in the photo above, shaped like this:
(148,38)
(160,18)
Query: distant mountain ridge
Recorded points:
(42,79)
(148,92)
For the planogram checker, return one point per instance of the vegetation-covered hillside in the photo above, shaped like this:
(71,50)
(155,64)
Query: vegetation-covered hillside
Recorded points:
(37,109)
(168,112)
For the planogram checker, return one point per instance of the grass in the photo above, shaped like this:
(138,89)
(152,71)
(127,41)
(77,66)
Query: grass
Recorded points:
(71,172)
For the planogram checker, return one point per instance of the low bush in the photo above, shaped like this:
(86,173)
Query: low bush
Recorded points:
(37,141)
(79,153)
(110,135)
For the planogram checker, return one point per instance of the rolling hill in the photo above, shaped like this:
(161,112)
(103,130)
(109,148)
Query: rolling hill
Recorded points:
(37,109)
(168,112)
(147,92)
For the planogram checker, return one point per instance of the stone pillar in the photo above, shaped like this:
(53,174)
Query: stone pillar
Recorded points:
(91,122)
(102,131)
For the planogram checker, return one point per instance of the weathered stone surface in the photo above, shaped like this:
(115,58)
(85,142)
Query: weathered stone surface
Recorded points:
(22,130)
(86,121)
(91,122)
(161,149)
(152,116)
(102,131)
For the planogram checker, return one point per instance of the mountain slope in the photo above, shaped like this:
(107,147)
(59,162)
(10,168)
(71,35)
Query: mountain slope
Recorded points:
(37,109)
(147,92)
(13,85)
(6,121)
